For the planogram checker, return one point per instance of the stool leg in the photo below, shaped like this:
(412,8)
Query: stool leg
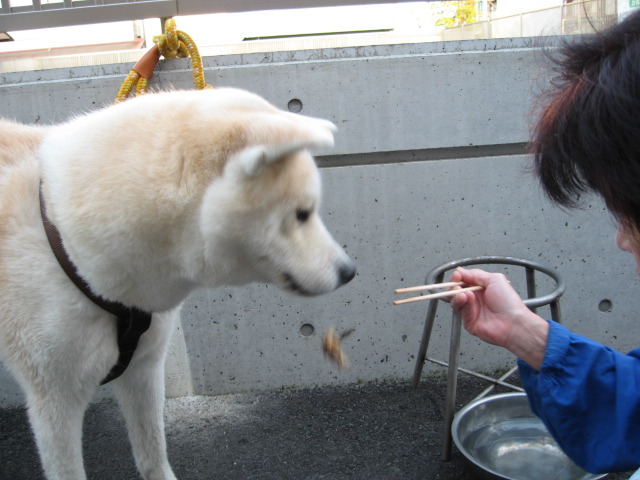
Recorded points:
(531,285)
(424,343)
(452,384)
(556,314)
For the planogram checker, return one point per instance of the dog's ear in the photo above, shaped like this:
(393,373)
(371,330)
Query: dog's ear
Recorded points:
(273,137)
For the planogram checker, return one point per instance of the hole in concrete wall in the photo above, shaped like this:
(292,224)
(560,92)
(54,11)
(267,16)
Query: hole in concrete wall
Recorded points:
(294,105)
(307,330)
(605,306)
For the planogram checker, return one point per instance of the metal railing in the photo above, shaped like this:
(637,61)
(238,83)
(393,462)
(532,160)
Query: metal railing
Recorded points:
(588,16)
(33,14)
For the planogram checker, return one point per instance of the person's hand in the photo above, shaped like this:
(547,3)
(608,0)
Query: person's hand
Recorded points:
(497,315)
(488,314)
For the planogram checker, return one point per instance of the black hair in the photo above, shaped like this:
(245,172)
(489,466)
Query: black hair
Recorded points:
(587,137)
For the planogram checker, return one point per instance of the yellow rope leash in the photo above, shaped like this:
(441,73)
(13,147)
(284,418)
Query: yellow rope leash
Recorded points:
(174,43)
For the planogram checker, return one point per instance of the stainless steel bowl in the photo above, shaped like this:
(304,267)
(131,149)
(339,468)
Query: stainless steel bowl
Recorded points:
(501,438)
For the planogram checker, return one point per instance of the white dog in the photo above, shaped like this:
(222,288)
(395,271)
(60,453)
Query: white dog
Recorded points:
(152,198)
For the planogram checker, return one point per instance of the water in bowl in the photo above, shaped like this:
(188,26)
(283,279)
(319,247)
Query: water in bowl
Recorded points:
(521,449)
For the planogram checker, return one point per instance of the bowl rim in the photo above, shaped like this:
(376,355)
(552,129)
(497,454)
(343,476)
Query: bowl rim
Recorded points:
(460,414)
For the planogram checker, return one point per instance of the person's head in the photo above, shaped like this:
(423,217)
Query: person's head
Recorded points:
(588,135)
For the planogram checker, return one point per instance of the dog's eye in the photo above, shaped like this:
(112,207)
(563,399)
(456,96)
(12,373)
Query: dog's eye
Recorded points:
(302,215)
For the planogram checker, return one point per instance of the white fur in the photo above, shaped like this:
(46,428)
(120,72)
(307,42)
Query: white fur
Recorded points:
(153,198)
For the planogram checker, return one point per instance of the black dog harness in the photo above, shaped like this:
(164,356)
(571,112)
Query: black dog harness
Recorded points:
(132,322)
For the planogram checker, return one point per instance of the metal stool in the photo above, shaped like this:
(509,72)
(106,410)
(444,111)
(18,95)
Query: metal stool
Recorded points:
(436,276)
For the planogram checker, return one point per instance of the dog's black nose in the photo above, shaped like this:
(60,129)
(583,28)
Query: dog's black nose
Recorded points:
(346,273)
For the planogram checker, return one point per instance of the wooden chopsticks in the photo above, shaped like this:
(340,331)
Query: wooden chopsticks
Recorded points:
(447,293)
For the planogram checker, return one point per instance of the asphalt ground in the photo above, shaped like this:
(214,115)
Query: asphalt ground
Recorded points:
(369,431)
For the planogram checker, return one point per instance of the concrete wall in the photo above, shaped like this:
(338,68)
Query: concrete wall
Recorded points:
(429,167)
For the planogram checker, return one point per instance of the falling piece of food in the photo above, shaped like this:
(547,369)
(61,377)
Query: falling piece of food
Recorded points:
(333,350)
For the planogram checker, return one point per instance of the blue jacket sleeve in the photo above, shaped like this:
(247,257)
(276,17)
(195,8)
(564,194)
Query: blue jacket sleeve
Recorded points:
(588,396)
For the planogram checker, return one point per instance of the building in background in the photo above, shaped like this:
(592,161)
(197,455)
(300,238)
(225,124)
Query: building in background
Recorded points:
(526,18)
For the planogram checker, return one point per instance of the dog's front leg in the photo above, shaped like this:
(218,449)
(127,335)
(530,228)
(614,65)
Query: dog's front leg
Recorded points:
(140,392)
(141,398)
(57,426)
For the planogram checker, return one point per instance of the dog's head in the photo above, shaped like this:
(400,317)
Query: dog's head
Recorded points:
(169,191)
(263,211)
